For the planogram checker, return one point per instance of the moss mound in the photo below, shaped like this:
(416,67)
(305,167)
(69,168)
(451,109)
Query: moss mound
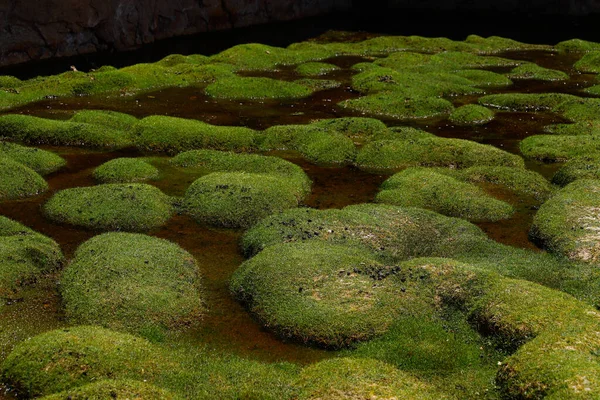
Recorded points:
(355,378)
(240,88)
(527,101)
(331,301)
(9,82)
(24,256)
(394,105)
(424,188)
(553,148)
(41,161)
(358,129)
(128,207)
(390,155)
(471,114)
(586,167)
(582,110)
(590,62)
(113,389)
(315,68)
(109,119)
(578,128)
(238,199)
(534,71)
(67,358)
(483,78)
(17,180)
(578,45)
(34,130)
(173,135)
(124,170)
(568,222)
(132,282)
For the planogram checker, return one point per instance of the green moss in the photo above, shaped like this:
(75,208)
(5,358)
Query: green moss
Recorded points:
(483,78)
(9,82)
(109,388)
(471,114)
(578,128)
(17,180)
(124,170)
(173,135)
(447,60)
(497,44)
(593,90)
(315,68)
(24,256)
(578,45)
(534,71)
(240,88)
(553,148)
(424,188)
(109,119)
(354,378)
(590,62)
(391,155)
(331,301)
(584,110)
(315,85)
(238,199)
(526,101)
(567,223)
(36,130)
(132,282)
(586,167)
(395,105)
(175,59)
(358,129)
(41,161)
(128,207)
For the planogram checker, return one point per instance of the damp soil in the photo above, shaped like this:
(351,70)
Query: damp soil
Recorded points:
(227,326)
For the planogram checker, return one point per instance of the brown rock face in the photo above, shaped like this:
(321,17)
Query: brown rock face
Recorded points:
(38,29)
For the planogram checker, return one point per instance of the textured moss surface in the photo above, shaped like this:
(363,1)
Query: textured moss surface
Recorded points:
(17,180)
(534,71)
(124,170)
(239,88)
(41,161)
(471,114)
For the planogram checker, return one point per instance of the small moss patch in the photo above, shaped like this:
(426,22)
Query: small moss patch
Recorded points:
(394,105)
(41,161)
(315,68)
(17,180)
(113,389)
(109,119)
(527,101)
(534,71)
(239,88)
(590,62)
(124,170)
(471,114)
(578,45)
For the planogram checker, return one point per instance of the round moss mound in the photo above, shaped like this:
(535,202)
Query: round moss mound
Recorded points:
(315,68)
(116,206)
(358,129)
(393,105)
(483,78)
(557,148)
(318,293)
(471,114)
(17,180)
(237,199)
(41,161)
(318,84)
(534,71)
(238,88)
(132,282)
(527,101)
(124,170)
(568,223)
(586,167)
(424,188)
(24,256)
(67,358)
(578,128)
(361,378)
(109,119)
(590,62)
(113,389)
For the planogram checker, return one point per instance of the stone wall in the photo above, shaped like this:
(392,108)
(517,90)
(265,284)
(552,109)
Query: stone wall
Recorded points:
(39,29)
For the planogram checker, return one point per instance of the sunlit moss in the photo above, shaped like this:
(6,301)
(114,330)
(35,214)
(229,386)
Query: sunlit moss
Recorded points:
(471,114)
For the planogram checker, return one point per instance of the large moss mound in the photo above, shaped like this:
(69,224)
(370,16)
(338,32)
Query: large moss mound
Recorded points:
(534,71)
(424,188)
(590,62)
(399,106)
(132,282)
(124,170)
(128,207)
(41,161)
(239,88)
(557,148)
(113,389)
(109,119)
(585,167)
(17,180)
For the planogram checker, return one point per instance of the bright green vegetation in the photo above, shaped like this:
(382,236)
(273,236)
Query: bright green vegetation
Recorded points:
(240,88)
(593,90)
(590,62)
(534,71)
(132,282)
(483,78)
(115,206)
(173,135)
(398,106)
(585,167)
(315,68)
(108,388)
(391,155)
(471,114)
(527,101)
(36,130)
(109,119)
(18,180)
(239,199)
(24,256)
(425,188)
(316,85)
(553,148)
(9,82)
(568,223)
(124,170)
(41,161)
(177,59)
(578,45)
(578,128)
(583,110)
(358,129)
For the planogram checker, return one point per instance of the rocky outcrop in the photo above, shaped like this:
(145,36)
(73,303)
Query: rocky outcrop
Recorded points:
(558,7)
(38,29)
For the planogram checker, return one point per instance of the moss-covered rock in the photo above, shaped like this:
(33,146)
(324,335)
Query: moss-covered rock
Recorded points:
(17,180)
(115,389)
(534,71)
(355,378)
(471,114)
(173,135)
(36,130)
(110,119)
(24,256)
(331,301)
(578,45)
(424,188)
(132,282)
(568,222)
(585,167)
(124,170)
(41,161)
(399,106)
(391,155)
(555,148)
(590,62)
(527,101)
(250,88)
(128,207)
(238,199)
(316,68)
